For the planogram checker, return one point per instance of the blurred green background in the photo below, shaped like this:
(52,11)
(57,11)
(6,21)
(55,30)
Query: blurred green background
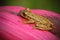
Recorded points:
(53,5)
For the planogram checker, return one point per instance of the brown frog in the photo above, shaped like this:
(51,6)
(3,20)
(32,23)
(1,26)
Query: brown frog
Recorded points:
(41,22)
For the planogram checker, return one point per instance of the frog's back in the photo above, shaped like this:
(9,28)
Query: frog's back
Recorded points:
(38,18)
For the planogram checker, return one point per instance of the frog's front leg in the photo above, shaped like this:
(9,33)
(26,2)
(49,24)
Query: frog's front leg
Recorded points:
(29,21)
(36,25)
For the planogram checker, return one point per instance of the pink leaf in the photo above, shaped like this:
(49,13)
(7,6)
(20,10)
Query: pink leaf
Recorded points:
(12,29)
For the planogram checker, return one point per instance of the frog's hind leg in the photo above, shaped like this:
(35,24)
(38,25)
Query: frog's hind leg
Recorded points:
(41,27)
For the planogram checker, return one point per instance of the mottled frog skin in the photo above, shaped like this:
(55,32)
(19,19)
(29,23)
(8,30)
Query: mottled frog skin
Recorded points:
(40,21)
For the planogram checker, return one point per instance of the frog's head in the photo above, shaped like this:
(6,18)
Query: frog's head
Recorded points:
(25,12)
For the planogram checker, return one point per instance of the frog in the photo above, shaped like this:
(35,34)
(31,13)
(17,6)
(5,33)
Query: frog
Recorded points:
(40,21)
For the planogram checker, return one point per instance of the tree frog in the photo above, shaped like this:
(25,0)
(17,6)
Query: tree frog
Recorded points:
(41,22)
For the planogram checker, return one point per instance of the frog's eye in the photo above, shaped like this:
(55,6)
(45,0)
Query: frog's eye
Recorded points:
(23,14)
